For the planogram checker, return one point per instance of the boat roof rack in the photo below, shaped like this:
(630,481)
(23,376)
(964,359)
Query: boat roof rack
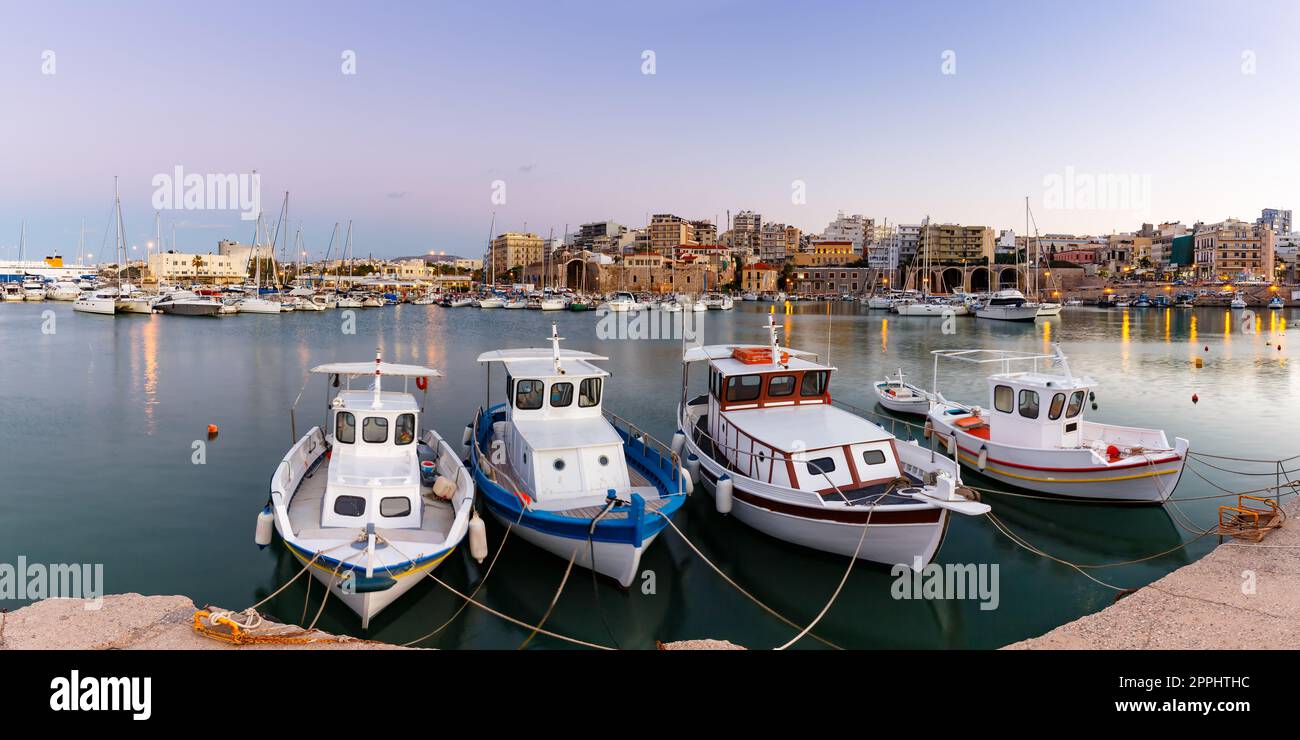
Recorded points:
(981,356)
(384,368)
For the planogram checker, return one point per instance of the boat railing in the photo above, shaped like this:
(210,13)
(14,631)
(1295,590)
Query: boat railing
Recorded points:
(665,452)
(751,470)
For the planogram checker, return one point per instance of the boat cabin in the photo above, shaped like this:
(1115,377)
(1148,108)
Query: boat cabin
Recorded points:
(555,440)
(1039,410)
(770,418)
(374,464)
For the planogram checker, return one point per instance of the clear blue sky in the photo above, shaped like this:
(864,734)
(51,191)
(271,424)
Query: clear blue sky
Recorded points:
(549,97)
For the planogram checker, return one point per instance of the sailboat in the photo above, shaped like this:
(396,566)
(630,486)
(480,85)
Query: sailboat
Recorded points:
(1009,304)
(256,303)
(104,300)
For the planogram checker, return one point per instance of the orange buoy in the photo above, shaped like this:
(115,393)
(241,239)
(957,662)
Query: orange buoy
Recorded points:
(422,383)
(213,429)
(1196,398)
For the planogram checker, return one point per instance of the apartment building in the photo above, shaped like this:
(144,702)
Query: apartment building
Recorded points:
(515,249)
(856,229)
(829,280)
(778,242)
(668,231)
(954,244)
(1234,249)
(759,278)
(826,253)
(203,268)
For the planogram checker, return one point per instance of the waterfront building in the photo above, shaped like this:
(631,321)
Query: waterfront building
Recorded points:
(1234,249)
(909,242)
(515,249)
(190,267)
(821,280)
(953,244)
(826,253)
(759,278)
(243,252)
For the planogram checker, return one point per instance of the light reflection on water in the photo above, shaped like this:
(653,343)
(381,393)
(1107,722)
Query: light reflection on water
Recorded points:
(99,419)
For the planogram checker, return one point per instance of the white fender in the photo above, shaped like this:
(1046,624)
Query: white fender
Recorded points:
(679,443)
(693,466)
(478,548)
(929,428)
(688,483)
(983,460)
(722,491)
(952,444)
(265,522)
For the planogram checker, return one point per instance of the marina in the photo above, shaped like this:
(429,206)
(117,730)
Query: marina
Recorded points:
(162,379)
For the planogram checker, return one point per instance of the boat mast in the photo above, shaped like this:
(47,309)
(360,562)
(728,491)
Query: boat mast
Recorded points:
(555,348)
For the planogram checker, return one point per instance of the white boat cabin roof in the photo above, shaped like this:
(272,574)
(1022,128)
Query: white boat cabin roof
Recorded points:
(365,400)
(384,368)
(722,357)
(541,363)
(812,428)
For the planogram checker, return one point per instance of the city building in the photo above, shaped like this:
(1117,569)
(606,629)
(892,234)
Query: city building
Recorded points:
(856,229)
(954,244)
(759,278)
(706,232)
(515,249)
(1276,219)
(202,268)
(777,242)
(242,252)
(597,236)
(1234,249)
(668,231)
(826,253)
(909,242)
(830,280)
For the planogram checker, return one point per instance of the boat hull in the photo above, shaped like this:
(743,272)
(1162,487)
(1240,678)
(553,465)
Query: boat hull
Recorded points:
(366,605)
(104,306)
(196,308)
(1008,313)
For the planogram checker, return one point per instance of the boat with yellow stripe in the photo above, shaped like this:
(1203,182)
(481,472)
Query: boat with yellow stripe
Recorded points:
(374,500)
(1034,434)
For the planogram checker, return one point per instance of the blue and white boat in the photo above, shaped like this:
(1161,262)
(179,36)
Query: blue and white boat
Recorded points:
(1276,303)
(567,479)
(377,499)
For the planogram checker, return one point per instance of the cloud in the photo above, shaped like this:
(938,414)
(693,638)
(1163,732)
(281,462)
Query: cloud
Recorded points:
(527,167)
(398,195)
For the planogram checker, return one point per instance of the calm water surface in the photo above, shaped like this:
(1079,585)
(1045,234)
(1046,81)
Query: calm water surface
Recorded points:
(99,419)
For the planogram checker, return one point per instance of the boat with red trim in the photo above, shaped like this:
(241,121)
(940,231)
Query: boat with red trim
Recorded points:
(1034,435)
(769,445)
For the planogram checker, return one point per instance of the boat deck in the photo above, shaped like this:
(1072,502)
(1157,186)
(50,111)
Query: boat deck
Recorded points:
(305,514)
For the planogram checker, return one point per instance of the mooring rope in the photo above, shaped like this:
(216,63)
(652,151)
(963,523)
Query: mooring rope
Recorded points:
(843,579)
(554,600)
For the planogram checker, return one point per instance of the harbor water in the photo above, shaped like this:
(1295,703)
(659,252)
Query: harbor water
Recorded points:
(105,459)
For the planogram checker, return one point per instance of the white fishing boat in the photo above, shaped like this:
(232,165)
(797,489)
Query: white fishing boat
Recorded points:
(1238,302)
(898,395)
(550,465)
(1049,309)
(376,499)
(718,302)
(1034,434)
(1276,303)
(1007,305)
(770,447)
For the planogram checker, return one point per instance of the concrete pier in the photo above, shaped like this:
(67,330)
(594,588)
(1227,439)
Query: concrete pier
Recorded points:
(1240,595)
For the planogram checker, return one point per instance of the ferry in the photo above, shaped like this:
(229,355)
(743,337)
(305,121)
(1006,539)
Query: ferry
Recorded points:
(376,499)
(562,476)
(768,444)
(1033,434)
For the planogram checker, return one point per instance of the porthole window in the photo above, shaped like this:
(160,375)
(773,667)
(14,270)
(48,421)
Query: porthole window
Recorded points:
(603,460)
(558,464)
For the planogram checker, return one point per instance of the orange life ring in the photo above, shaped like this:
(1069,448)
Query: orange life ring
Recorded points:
(422,383)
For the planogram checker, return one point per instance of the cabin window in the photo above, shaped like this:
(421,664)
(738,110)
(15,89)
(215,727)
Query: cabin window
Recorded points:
(741,388)
(1058,404)
(395,506)
(821,466)
(589,393)
(1029,404)
(1076,405)
(405,429)
(814,383)
(528,395)
(349,506)
(561,395)
(510,388)
(1003,398)
(345,428)
(374,429)
(873,457)
(780,385)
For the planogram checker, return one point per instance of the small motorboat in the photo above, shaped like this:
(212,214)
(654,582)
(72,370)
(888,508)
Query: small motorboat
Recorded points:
(718,302)
(771,448)
(1238,302)
(370,300)
(13,292)
(461,302)
(63,290)
(1050,308)
(1034,435)
(1074,302)
(349,301)
(898,395)
(567,479)
(932,307)
(377,498)
(623,301)
(1007,305)
(188,303)
(102,301)
(33,289)
(1276,303)
(493,301)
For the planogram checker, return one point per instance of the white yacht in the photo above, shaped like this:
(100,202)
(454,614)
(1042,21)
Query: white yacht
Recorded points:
(623,301)
(718,302)
(567,479)
(188,303)
(376,499)
(1007,305)
(492,301)
(63,290)
(766,441)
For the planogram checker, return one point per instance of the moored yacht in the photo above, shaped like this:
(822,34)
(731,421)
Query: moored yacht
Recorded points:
(718,302)
(376,499)
(623,301)
(1034,436)
(773,450)
(551,465)
(1007,305)
(188,303)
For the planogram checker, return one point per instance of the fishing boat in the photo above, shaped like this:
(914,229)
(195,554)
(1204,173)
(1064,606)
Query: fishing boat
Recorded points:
(1238,302)
(188,303)
(565,478)
(898,395)
(1034,435)
(376,499)
(1276,303)
(768,444)
(1007,305)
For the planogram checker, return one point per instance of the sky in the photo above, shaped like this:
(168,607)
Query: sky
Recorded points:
(896,110)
